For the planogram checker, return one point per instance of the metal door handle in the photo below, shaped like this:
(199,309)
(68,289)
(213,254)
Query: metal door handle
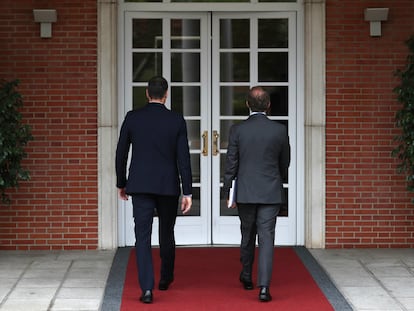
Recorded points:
(205,143)
(216,150)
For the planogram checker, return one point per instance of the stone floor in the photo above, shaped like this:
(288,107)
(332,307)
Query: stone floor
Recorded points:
(67,280)
(369,279)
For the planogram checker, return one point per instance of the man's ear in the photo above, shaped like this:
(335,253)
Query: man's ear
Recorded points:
(146,94)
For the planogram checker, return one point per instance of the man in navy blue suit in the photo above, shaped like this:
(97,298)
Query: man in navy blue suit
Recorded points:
(160,161)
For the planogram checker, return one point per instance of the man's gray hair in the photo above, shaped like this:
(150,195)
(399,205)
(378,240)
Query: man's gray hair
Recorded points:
(258,99)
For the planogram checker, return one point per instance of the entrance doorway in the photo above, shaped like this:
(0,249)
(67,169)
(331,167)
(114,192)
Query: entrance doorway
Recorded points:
(211,59)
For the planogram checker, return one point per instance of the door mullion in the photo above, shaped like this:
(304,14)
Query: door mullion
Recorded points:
(253,51)
(166,54)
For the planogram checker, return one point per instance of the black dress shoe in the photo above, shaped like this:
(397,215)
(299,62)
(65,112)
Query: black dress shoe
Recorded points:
(146,297)
(165,284)
(264,294)
(247,283)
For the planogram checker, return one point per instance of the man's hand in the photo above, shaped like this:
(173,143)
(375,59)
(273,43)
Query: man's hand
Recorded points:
(186,203)
(234,205)
(122,194)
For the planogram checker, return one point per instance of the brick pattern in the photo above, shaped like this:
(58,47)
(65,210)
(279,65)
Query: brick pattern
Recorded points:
(367,204)
(366,201)
(57,208)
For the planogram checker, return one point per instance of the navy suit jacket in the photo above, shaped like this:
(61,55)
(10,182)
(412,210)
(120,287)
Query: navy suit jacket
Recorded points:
(258,154)
(160,152)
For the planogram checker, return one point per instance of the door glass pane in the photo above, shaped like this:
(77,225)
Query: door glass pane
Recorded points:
(185,67)
(284,208)
(195,167)
(233,100)
(273,66)
(234,33)
(234,67)
(224,210)
(273,33)
(146,33)
(193,133)
(222,165)
(185,33)
(279,99)
(228,93)
(186,100)
(139,98)
(225,126)
(145,66)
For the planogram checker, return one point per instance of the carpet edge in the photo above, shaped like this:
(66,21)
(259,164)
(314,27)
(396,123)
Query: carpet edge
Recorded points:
(334,296)
(115,282)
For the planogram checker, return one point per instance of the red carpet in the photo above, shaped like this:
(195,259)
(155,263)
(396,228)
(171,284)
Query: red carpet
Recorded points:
(207,279)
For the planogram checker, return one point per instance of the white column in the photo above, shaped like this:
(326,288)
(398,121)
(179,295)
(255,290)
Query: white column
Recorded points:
(107,123)
(315,123)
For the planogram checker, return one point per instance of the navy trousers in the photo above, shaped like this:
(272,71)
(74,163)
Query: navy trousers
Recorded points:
(144,207)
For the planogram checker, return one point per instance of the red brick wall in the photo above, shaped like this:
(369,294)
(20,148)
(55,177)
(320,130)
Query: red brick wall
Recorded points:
(367,202)
(57,209)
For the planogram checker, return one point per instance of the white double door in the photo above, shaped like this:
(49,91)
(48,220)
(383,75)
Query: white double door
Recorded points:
(211,60)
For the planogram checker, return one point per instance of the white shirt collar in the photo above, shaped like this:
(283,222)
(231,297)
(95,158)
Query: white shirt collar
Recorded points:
(257,112)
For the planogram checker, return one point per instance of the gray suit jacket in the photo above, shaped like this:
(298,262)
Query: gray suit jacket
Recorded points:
(258,155)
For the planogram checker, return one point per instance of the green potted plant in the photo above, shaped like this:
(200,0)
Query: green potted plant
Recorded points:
(13,138)
(405,118)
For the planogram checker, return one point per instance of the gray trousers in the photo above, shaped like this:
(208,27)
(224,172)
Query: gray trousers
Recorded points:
(260,220)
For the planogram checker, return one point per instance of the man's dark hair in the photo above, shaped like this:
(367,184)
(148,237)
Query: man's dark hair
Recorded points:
(157,87)
(258,99)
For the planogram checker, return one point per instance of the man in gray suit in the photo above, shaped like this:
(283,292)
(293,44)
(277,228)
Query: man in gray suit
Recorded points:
(258,157)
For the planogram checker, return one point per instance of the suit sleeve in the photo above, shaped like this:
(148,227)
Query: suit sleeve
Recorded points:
(183,158)
(232,161)
(121,156)
(284,160)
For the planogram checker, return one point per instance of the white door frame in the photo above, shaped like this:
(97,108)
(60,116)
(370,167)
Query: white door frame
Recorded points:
(311,68)
(210,227)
